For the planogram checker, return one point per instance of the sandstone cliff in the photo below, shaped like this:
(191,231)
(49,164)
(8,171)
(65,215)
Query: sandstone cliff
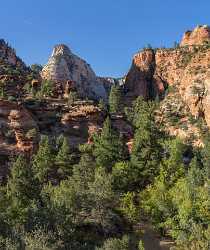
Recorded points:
(19,131)
(184,68)
(64,66)
(199,36)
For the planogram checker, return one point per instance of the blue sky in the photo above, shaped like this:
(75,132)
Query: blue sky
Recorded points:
(106,33)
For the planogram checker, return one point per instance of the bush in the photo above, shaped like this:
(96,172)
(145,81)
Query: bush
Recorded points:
(11,98)
(32,134)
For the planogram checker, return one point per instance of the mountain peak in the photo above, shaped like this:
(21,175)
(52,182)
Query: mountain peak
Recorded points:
(64,66)
(61,49)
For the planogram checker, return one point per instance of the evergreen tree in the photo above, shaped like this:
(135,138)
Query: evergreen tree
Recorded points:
(141,245)
(36,69)
(115,103)
(21,190)
(206,157)
(72,98)
(172,167)
(43,161)
(84,171)
(116,244)
(46,89)
(65,158)
(102,105)
(141,111)
(102,200)
(109,147)
(2,91)
(147,150)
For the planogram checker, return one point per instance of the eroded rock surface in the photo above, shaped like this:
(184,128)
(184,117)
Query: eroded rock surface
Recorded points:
(198,36)
(18,129)
(185,68)
(64,66)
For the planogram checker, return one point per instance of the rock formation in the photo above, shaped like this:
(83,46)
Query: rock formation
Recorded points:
(199,36)
(139,78)
(64,66)
(185,68)
(18,129)
(180,76)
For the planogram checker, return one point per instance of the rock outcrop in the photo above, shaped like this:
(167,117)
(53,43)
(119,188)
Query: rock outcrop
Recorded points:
(64,66)
(199,36)
(19,131)
(81,122)
(139,78)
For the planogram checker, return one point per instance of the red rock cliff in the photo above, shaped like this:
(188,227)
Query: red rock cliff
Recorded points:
(198,36)
(185,67)
(15,119)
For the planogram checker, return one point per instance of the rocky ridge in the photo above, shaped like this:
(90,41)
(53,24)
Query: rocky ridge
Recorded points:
(19,130)
(14,74)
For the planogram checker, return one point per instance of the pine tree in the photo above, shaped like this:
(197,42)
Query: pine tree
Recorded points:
(43,161)
(141,111)
(64,158)
(2,92)
(147,149)
(102,199)
(206,157)
(102,105)
(141,245)
(83,174)
(172,167)
(115,103)
(21,190)
(109,147)
(72,98)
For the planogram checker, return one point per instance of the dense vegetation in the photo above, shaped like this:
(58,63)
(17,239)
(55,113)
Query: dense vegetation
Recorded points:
(94,198)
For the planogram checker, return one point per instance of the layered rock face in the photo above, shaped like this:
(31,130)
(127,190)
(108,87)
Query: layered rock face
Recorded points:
(19,131)
(198,36)
(186,68)
(139,78)
(64,66)
(81,122)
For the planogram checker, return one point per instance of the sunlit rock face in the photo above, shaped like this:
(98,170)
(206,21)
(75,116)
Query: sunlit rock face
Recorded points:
(198,36)
(185,67)
(64,66)
(19,123)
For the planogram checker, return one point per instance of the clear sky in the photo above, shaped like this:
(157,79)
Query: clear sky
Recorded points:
(106,33)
